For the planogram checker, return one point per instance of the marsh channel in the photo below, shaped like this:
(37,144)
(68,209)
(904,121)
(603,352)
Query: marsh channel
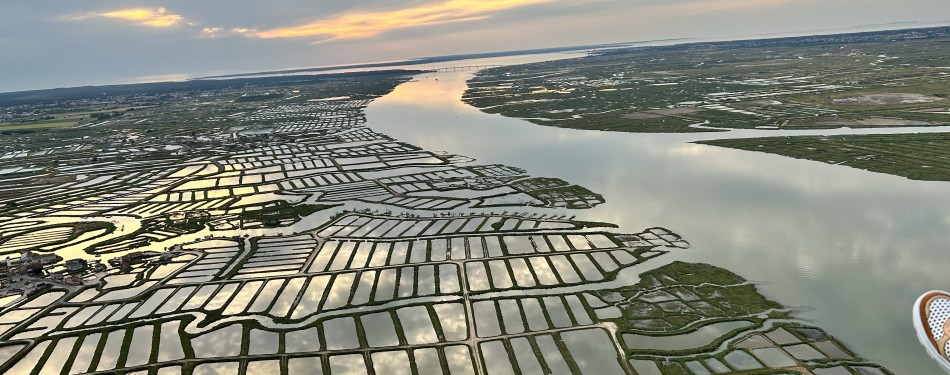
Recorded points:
(848,250)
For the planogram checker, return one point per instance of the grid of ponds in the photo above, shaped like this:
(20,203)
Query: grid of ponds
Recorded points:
(430,290)
(424,304)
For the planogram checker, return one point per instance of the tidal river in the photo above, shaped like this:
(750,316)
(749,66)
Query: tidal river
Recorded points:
(850,250)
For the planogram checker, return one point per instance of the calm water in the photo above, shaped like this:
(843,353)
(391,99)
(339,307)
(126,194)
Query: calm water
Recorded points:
(851,250)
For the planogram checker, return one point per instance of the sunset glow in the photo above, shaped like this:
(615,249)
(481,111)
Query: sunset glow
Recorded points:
(364,24)
(153,17)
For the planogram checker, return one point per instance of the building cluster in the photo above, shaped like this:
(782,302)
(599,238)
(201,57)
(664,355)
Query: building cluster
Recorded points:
(46,266)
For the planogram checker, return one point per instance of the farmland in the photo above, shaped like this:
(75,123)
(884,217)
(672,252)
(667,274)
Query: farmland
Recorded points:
(891,78)
(264,228)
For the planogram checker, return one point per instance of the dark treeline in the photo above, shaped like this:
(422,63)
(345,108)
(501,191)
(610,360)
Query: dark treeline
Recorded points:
(84,92)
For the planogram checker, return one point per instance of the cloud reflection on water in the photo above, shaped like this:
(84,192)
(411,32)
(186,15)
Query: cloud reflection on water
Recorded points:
(854,248)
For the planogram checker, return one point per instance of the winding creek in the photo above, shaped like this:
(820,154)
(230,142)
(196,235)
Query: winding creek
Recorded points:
(850,250)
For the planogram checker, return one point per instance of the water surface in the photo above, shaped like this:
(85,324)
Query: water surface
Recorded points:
(851,249)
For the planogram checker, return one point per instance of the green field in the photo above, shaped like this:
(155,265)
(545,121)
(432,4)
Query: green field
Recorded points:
(915,156)
(856,80)
(210,248)
(41,124)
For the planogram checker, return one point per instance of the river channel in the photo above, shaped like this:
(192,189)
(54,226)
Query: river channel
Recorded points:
(849,250)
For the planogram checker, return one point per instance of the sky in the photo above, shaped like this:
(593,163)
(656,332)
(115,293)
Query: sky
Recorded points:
(64,43)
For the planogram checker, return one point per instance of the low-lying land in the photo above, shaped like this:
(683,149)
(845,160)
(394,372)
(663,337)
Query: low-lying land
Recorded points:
(915,156)
(888,78)
(263,229)
(383,294)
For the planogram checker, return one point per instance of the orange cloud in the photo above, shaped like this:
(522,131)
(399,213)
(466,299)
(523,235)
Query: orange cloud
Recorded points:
(152,17)
(366,24)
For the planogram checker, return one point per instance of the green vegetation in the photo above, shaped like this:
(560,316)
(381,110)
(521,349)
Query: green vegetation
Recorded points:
(678,300)
(187,222)
(915,156)
(559,193)
(855,80)
(689,293)
(232,162)
(40,124)
(273,216)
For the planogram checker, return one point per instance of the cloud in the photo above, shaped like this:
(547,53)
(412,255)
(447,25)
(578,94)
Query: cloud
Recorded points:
(367,24)
(154,17)
(211,32)
(151,17)
(216,31)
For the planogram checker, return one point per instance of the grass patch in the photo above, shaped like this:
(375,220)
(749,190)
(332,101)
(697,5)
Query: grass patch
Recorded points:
(736,85)
(40,124)
(923,157)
